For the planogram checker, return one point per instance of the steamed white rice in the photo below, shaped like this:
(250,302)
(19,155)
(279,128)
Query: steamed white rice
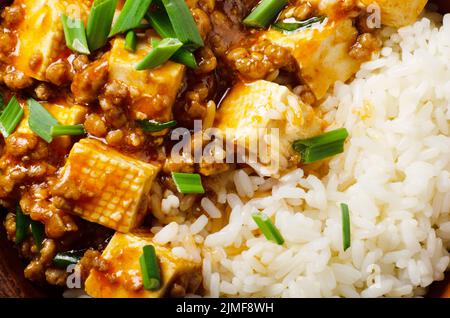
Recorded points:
(394,175)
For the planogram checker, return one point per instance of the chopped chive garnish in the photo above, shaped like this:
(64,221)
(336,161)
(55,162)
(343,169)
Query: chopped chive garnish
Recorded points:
(345,226)
(10,117)
(38,231)
(130,41)
(185,57)
(67,130)
(299,25)
(160,22)
(188,182)
(131,16)
(143,26)
(64,259)
(99,23)
(154,126)
(322,146)
(40,120)
(22,224)
(268,228)
(160,53)
(264,13)
(183,23)
(75,34)
(151,276)
(2,104)
(325,138)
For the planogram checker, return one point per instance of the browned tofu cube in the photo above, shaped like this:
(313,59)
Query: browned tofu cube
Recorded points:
(398,13)
(40,34)
(251,110)
(321,53)
(153,91)
(115,186)
(65,113)
(123,279)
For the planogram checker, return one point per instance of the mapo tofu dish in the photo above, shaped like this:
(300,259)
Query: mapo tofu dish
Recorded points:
(107,173)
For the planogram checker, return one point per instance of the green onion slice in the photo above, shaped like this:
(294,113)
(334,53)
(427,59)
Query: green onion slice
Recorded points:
(298,25)
(322,146)
(345,226)
(40,120)
(143,26)
(75,34)
(64,259)
(185,57)
(183,23)
(67,130)
(22,224)
(38,231)
(154,126)
(160,22)
(99,23)
(131,16)
(2,104)
(10,117)
(131,41)
(264,13)
(151,275)
(160,53)
(188,182)
(268,228)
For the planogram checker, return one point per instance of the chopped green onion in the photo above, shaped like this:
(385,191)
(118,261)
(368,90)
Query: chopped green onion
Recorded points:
(38,231)
(40,120)
(143,26)
(131,41)
(264,13)
(297,26)
(159,53)
(10,117)
(2,104)
(131,16)
(345,226)
(321,147)
(151,275)
(188,182)
(326,138)
(268,228)
(154,126)
(22,224)
(64,259)
(99,22)
(183,23)
(316,153)
(67,130)
(75,34)
(160,22)
(185,57)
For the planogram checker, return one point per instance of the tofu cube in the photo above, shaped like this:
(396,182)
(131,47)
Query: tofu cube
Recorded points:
(322,53)
(153,91)
(122,258)
(398,13)
(251,112)
(65,113)
(114,186)
(40,33)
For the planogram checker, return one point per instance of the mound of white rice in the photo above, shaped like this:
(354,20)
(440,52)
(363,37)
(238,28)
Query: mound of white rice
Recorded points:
(394,175)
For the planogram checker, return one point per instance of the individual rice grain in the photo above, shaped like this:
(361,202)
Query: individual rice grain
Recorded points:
(167,233)
(199,224)
(210,208)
